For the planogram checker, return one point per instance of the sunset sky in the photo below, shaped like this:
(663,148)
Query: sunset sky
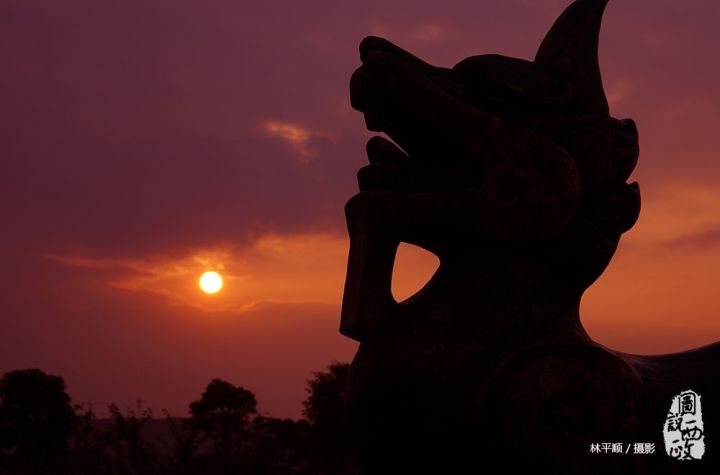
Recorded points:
(142,143)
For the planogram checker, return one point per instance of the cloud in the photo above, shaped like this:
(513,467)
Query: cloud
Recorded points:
(619,89)
(295,269)
(140,197)
(703,240)
(414,34)
(296,136)
(274,269)
(673,216)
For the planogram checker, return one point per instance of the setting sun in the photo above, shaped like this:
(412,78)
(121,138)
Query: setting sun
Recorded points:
(211,282)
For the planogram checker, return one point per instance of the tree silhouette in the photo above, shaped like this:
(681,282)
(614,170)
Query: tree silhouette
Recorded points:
(324,410)
(324,403)
(36,417)
(40,432)
(222,412)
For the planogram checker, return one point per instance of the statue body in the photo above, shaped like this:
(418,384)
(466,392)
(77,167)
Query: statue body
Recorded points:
(514,174)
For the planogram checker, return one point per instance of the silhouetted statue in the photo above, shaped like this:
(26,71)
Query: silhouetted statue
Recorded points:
(514,174)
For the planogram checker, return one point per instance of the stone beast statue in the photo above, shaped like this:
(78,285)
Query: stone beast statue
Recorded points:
(514,174)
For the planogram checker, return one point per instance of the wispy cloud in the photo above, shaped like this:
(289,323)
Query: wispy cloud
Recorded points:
(298,137)
(700,240)
(277,269)
(172,278)
(413,34)
(676,216)
(274,269)
(619,89)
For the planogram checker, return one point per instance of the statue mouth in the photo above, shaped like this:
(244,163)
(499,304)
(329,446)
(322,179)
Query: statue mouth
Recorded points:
(490,83)
(411,101)
(451,123)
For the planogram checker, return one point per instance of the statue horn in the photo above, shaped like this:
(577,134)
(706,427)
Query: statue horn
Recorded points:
(572,45)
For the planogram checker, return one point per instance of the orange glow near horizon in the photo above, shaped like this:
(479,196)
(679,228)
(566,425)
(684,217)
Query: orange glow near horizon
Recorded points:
(657,295)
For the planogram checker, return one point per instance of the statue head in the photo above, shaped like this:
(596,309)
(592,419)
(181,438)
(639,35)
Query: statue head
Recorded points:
(495,152)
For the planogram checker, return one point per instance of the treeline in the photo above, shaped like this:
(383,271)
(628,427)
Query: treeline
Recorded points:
(42,432)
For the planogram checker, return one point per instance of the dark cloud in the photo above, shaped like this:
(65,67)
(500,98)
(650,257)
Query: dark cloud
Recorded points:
(704,240)
(137,197)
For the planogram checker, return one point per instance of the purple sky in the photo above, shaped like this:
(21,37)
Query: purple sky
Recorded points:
(142,141)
